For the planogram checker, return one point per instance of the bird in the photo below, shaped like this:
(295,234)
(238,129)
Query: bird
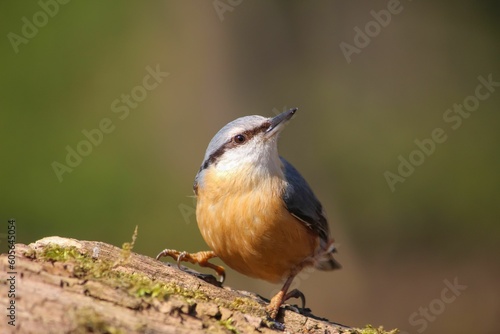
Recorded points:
(255,210)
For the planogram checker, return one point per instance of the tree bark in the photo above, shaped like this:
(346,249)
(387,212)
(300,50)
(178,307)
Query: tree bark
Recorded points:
(60,285)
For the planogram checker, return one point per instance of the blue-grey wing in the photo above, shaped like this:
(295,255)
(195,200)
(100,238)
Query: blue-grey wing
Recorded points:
(302,203)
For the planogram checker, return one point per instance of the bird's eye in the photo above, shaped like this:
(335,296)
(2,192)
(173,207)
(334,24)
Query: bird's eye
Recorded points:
(239,139)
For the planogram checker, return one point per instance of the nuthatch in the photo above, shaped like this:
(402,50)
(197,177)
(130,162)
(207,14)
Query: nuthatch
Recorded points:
(255,211)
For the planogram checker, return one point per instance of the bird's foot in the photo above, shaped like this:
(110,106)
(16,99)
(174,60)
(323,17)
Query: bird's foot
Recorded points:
(200,258)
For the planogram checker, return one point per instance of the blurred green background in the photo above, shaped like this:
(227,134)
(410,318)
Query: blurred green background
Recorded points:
(355,119)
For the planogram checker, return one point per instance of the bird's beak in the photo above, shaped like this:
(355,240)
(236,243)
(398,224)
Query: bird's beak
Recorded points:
(278,122)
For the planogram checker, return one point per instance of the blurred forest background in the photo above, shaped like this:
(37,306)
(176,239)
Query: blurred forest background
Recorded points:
(400,247)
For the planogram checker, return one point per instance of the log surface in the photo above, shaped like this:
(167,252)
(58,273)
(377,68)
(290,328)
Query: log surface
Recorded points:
(71,286)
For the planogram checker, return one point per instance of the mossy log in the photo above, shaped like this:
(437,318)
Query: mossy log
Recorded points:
(71,286)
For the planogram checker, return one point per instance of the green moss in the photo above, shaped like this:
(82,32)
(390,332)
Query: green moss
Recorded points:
(228,324)
(142,286)
(53,252)
(127,248)
(369,329)
(85,267)
(245,305)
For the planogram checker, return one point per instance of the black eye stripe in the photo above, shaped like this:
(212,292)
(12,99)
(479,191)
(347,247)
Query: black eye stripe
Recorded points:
(249,134)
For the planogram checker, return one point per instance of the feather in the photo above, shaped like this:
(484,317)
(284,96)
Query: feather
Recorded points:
(302,203)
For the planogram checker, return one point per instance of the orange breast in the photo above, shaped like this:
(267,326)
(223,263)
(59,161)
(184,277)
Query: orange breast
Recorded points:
(247,225)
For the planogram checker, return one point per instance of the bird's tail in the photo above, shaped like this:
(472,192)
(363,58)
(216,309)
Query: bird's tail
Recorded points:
(325,260)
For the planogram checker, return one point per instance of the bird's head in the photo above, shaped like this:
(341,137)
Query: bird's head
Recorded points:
(247,146)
